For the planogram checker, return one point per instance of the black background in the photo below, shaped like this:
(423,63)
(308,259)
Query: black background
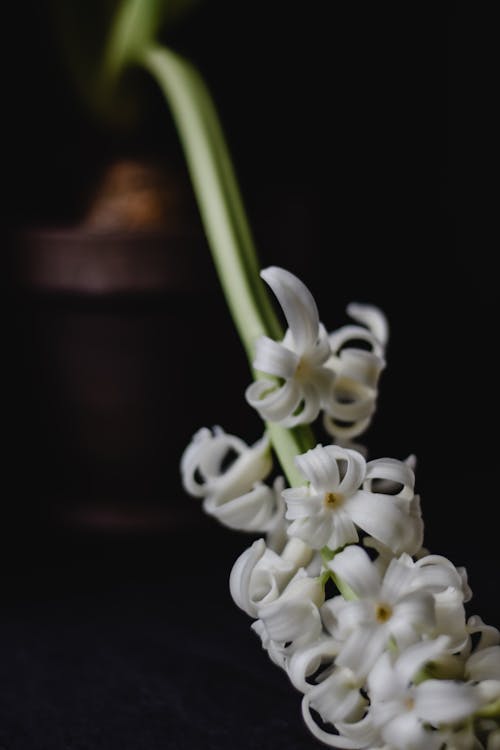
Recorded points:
(363,141)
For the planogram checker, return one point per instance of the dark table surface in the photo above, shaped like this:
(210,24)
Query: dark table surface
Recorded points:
(133,642)
(129,644)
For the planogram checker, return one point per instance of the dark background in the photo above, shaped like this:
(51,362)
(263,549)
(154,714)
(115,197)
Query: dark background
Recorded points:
(363,142)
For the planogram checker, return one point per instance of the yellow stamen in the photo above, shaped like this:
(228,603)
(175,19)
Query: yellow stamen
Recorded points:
(333,499)
(383,612)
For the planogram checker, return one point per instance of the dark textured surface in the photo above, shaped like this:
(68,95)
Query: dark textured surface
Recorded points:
(133,644)
(97,660)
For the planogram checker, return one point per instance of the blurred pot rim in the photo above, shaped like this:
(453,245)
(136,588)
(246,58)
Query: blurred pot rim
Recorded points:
(96,262)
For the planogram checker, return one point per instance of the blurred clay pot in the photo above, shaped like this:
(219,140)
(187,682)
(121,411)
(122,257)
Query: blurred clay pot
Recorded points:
(110,354)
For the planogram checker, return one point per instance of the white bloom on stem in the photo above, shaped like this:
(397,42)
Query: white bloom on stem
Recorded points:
(353,397)
(340,499)
(402,711)
(304,383)
(234,494)
(397,607)
(259,575)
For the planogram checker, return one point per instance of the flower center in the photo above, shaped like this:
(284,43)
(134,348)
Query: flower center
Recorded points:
(383,612)
(303,369)
(333,499)
(409,703)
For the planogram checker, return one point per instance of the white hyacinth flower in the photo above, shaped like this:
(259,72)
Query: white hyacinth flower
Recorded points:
(340,499)
(234,494)
(398,606)
(304,383)
(402,711)
(259,575)
(357,371)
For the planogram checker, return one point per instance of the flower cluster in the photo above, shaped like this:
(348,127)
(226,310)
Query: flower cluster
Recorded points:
(314,371)
(368,625)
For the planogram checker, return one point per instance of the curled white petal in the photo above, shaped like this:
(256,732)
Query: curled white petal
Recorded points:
(274,359)
(338,697)
(257,577)
(273,402)
(353,397)
(251,511)
(307,660)
(298,306)
(295,614)
(489,635)
(484,664)
(390,473)
(330,739)
(373,318)
(202,465)
(450,618)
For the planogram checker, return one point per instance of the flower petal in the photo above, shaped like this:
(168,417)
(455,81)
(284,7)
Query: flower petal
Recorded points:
(273,358)
(397,579)
(239,579)
(373,318)
(381,517)
(338,697)
(443,701)
(343,530)
(307,660)
(319,466)
(411,617)
(301,503)
(298,306)
(314,530)
(362,648)
(417,655)
(392,471)
(272,401)
(484,664)
(406,732)
(249,512)
(354,567)
(342,336)
(330,739)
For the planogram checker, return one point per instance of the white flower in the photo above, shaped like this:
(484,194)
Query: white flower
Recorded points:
(340,499)
(402,711)
(259,575)
(234,494)
(354,394)
(398,606)
(298,361)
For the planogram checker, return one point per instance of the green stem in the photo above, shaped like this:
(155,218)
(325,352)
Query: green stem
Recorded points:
(225,223)
(218,199)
